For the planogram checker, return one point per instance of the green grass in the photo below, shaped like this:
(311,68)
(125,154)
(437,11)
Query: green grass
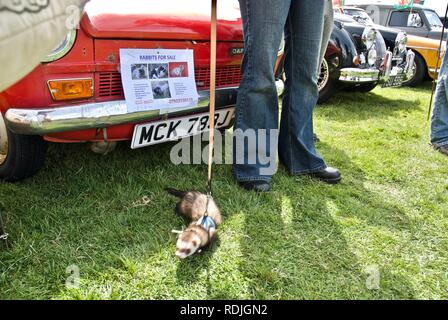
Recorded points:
(304,240)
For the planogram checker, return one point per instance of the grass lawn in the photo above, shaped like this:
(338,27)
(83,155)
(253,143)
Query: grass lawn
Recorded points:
(304,240)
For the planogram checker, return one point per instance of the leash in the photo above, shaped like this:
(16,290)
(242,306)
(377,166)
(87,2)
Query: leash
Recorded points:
(206,221)
(213,49)
(434,83)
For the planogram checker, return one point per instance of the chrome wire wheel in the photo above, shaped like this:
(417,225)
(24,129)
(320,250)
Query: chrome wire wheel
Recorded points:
(324,75)
(3,140)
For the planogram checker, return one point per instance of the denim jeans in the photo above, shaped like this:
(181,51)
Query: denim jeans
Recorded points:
(439,119)
(328,29)
(264,22)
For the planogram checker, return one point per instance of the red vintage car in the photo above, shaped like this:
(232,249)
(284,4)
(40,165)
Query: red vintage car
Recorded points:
(76,95)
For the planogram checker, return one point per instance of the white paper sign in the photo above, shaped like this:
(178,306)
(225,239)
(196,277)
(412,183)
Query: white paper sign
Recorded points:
(158,79)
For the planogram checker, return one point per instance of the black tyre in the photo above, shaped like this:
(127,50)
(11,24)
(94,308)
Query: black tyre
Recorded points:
(325,83)
(20,156)
(419,72)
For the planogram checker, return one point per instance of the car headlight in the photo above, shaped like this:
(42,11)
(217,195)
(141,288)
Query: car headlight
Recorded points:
(401,42)
(372,57)
(63,48)
(369,37)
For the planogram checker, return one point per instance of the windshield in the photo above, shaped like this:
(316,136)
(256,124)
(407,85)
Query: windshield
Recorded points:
(358,14)
(433,18)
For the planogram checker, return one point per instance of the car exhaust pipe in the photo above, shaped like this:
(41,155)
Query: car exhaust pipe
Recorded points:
(104,147)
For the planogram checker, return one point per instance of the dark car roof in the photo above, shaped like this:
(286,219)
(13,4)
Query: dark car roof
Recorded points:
(343,17)
(347,18)
(389,34)
(353,8)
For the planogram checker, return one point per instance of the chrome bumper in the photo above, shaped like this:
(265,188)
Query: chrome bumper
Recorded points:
(105,114)
(381,75)
(356,75)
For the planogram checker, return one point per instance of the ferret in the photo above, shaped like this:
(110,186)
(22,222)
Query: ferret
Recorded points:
(201,233)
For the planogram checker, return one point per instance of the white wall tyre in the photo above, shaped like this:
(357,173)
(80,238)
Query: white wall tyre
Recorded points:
(20,156)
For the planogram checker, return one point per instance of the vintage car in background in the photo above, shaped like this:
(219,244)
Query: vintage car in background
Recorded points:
(76,95)
(357,59)
(426,50)
(444,21)
(427,54)
(420,20)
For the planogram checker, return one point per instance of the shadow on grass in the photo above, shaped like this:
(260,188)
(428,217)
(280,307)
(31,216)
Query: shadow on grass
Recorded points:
(87,210)
(353,106)
(106,215)
(299,251)
(189,271)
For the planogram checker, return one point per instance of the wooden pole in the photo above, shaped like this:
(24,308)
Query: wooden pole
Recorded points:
(213,46)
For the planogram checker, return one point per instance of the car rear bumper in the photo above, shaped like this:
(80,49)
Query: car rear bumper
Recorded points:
(105,114)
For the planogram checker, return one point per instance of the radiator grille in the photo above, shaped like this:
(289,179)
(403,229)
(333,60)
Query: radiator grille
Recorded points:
(109,83)
(225,77)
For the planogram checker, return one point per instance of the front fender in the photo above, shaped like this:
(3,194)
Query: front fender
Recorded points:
(343,45)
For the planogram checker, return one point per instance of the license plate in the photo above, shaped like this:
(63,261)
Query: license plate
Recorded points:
(178,128)
(394,81)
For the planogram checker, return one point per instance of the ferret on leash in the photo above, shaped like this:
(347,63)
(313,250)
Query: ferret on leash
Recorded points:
(195,205)
(206,216)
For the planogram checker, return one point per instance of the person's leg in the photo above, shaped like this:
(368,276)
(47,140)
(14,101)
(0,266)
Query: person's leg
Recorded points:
(303,32)
(439,119)
(257,103)
(328,29)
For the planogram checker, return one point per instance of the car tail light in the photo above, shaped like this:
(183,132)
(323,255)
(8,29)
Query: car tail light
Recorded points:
(71,89)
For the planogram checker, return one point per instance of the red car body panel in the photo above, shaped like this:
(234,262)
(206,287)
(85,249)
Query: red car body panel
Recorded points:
(108,26)
(332,50)
(161,20)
